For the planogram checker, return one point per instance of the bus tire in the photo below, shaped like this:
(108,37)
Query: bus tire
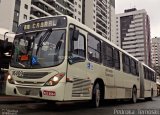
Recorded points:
(134,95)
(96,95)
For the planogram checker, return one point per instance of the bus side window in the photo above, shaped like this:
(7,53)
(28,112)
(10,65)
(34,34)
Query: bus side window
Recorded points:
(137,69)
(126,64)
(108,55)
(77,48)
(116,59)
(133,67)
(94,49)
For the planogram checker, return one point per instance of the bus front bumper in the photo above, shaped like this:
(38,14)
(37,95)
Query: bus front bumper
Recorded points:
(55,93)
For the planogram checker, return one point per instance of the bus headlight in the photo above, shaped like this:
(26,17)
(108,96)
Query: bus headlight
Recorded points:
(10,79)
(54,80)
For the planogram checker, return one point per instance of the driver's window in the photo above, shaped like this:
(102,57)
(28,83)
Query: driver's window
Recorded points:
(79,46)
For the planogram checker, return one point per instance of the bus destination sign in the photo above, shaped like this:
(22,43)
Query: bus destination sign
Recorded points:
(43,23)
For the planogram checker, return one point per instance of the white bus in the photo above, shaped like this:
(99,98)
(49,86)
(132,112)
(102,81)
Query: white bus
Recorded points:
(60,59)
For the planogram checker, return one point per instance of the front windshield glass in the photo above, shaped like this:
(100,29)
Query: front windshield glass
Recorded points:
(38,49)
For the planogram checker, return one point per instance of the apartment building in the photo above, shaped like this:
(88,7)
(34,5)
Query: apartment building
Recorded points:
(133,34)
(99,16)
(155,51)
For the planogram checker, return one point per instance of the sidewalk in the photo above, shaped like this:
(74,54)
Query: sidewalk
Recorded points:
(14,99)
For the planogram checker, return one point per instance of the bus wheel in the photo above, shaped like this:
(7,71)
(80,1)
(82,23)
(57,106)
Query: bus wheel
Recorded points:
(134,95)
(96,95)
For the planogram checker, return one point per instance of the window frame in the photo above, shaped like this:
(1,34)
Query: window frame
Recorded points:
(80,34)
(116,60)
(100,52)
(105,56)
(124,57)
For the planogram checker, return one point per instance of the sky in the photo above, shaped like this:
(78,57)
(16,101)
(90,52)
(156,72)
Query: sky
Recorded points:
(151,6)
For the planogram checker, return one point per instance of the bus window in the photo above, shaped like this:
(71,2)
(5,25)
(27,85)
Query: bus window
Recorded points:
(94,49)
(107,55)
(133,67)
(116,59)
(77,49)
(126,63)
(79,46)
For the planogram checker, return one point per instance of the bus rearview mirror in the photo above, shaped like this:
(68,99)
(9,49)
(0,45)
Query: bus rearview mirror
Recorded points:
(5,43)
(75,35)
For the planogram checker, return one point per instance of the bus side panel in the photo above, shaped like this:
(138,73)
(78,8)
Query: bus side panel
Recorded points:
(147,88)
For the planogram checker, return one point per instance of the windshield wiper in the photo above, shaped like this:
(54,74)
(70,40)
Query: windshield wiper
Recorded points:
(43,38)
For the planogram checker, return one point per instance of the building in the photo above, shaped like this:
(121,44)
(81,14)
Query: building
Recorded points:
(155,51)
(98,16)
(133,34)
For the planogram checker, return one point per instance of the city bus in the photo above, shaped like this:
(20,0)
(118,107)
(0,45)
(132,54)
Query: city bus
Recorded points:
(59,59)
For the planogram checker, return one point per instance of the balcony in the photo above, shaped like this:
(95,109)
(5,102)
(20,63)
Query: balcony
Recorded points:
(43,9)
(70,7)
(101,20)
(70,1)
(102,6)
(37,12)
(48,6)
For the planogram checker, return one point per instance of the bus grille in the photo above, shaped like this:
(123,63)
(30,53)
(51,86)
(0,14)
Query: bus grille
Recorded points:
(33,75)
(30,83)
(28,91)
(81,88)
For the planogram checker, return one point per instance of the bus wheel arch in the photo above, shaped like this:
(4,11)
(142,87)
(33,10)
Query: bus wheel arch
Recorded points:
(134,94)
(98,92)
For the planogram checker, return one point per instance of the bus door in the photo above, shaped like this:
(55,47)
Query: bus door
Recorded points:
(141,75)
(76,72)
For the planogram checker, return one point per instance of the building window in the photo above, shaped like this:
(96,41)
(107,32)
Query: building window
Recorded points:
(26,6)
(16,13)
(79,12)
(25,17)
(79,6)
(79,19)
(75,3)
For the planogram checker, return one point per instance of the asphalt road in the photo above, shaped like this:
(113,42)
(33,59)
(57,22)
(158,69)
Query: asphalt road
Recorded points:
(114,107)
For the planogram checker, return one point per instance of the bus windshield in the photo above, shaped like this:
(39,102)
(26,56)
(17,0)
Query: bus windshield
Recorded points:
(39,49)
